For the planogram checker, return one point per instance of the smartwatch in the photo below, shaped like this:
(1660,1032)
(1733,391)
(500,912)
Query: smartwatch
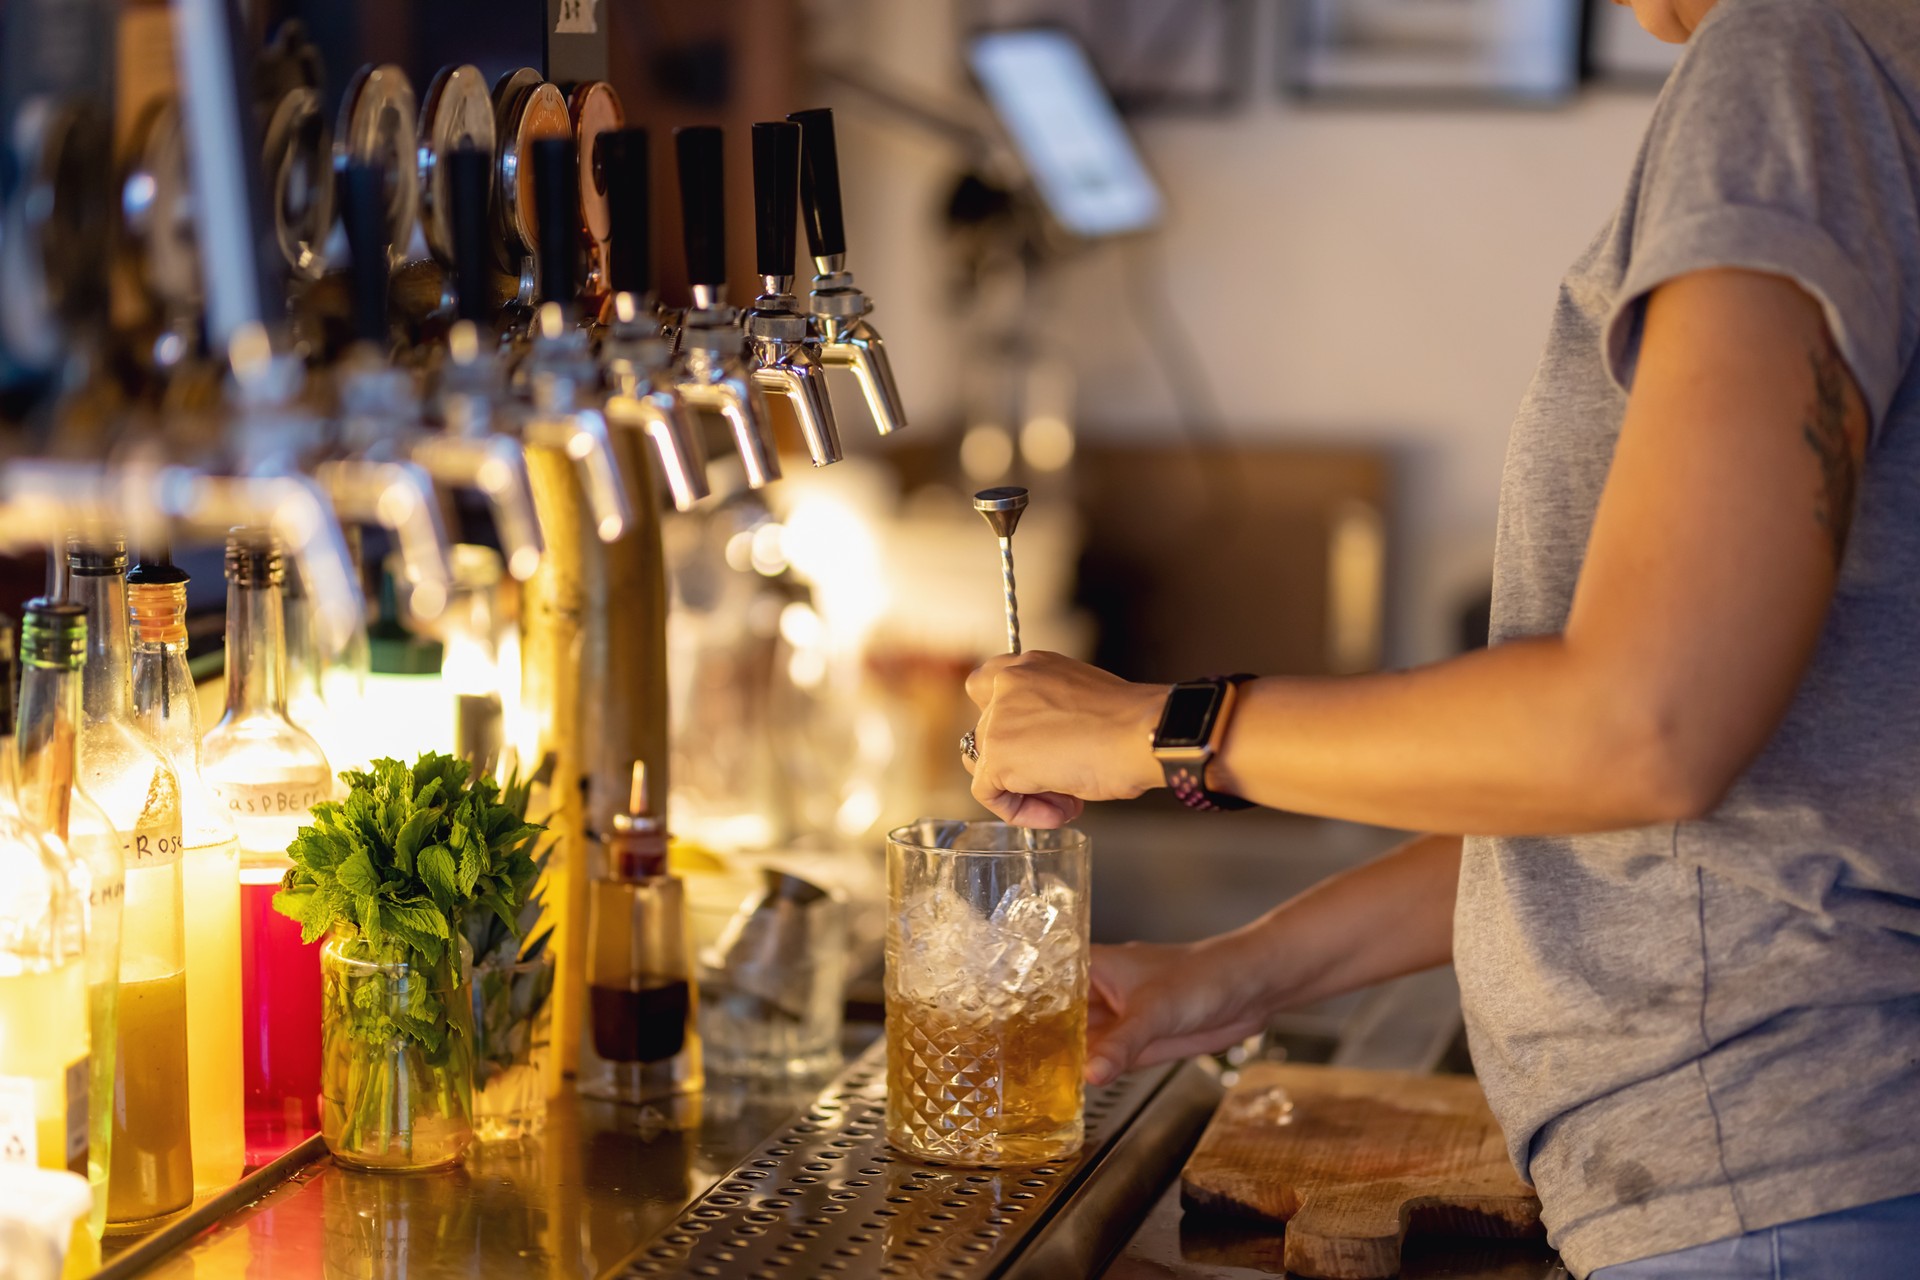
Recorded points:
(1193,724)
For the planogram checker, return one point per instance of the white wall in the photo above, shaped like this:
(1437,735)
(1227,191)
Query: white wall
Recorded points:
(1358,275)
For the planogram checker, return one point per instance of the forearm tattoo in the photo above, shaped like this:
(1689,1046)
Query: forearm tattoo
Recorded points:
(1826,433)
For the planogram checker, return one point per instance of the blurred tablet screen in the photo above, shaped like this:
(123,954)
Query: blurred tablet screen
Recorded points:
(1062,120)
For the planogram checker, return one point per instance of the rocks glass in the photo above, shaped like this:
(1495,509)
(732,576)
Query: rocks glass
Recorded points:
(986,992)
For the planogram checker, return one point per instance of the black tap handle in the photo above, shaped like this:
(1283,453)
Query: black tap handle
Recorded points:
(556,196)
(470,186)
(363,189)
(820,183)
(703,203)
(623,152)
(776,195)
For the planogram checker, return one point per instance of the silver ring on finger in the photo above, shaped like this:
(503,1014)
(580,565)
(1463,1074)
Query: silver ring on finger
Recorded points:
(969,747)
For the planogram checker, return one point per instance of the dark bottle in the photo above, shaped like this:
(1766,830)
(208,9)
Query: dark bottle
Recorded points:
(643,1042)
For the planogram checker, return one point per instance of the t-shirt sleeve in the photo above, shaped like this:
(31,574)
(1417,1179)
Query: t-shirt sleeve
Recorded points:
(1775,148)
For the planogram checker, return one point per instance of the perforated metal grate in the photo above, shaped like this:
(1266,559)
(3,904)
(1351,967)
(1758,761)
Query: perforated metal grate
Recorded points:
(826,1195)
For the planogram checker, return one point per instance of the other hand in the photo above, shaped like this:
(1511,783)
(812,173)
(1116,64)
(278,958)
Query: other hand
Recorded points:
(1154,1003)
(1054,733)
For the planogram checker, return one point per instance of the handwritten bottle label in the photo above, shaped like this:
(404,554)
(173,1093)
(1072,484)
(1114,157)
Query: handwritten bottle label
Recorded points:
(576,18)
(153,846)
(271,799)
(79,1077)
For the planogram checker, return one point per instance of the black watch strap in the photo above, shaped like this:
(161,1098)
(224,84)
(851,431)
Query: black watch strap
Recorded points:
(1191,726)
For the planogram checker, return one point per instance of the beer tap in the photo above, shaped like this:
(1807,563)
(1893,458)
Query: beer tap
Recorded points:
(710,373)
(369,477)
(469,452)
(839,308)
(786,356)
(156,488)
(634,354)
(560,376)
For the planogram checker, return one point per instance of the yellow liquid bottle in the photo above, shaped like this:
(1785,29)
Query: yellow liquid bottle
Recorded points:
(164,702)
(44,1058)
(150,1174)
(53,649)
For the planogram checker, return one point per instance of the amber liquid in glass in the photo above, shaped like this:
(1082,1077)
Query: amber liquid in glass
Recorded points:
(987,1090)
(647,1023)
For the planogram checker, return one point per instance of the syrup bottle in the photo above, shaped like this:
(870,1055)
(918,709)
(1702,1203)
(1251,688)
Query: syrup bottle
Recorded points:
(643,1042)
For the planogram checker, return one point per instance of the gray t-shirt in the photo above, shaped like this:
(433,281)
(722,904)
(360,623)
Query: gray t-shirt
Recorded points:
(1712,1027)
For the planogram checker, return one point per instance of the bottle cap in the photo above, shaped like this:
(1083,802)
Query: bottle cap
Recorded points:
(157,602)
(53,635)
(254,559)
(96,555)
(637,849)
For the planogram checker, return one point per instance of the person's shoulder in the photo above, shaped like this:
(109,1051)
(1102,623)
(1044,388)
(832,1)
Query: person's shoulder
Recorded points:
(1769,50)
(1736,27)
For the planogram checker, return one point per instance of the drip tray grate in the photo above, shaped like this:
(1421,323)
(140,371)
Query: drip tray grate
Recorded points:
(827,1195)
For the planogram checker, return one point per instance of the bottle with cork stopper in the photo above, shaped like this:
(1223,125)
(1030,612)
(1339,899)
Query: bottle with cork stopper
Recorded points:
(642,1043)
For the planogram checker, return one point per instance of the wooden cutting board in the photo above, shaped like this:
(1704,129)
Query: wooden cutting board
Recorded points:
(1348,1160)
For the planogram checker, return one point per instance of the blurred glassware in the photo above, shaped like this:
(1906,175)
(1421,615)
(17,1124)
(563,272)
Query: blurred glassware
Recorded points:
(513,979)
(773,987)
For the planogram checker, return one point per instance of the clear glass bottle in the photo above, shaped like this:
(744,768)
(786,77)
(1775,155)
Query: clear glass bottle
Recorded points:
(306,699)
(45,1073)
(164,701)
(642,1043)
(269,773)
(53,648)
(151,1173)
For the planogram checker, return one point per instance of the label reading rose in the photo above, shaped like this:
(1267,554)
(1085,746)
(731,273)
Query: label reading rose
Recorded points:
(156,846)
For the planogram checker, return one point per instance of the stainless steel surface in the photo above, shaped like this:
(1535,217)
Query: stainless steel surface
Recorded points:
(847,341)
(787,362)
(129,1256)
(711,375)
(298,159)
(1002,509)
(458,113)
(1170,1244)
(765,957)
(636,359)
(378,127)
(577,1202)
(825,1195)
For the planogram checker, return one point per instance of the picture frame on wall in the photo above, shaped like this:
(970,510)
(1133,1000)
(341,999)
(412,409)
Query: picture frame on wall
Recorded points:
(1620,52)
(1188,57)
(1481,52)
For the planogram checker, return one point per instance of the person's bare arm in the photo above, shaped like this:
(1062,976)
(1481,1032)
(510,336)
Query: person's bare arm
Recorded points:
(1157,1002)
(1707,578)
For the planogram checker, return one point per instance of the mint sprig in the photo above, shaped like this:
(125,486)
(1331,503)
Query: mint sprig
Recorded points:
(399,866)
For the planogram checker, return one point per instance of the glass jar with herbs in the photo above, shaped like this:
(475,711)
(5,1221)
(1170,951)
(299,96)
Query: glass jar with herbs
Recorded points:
(391,875)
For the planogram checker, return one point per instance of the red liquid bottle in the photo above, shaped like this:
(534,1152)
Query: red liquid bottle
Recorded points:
(269,773)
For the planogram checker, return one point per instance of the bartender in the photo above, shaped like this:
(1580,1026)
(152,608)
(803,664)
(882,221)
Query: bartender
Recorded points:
(1677,802)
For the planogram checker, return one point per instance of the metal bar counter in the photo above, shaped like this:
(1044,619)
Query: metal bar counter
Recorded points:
(759,1188)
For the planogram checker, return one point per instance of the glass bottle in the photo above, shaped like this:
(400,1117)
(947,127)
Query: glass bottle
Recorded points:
(269,773)
(45,1073)
(164,701)
(53,649)
(306,701)
(151,1173)
(643,1043)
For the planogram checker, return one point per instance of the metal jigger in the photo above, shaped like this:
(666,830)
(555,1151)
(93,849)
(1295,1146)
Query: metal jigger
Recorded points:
(1002,508)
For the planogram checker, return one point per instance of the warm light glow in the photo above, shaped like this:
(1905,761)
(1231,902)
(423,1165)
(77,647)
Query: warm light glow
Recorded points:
(1047,443)
(986,453)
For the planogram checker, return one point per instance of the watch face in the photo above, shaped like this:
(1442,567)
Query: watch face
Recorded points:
(1188,715)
